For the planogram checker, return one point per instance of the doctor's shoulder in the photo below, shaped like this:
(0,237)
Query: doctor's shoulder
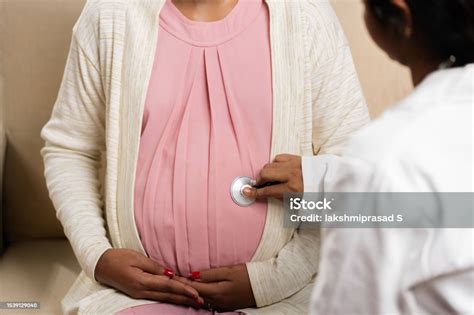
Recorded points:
(382,138)
(420,144)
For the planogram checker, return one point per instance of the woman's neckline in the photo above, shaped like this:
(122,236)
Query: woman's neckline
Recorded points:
(187,20)
(206,34)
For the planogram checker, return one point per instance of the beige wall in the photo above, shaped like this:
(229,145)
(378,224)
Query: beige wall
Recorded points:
(34,41)
(384,82)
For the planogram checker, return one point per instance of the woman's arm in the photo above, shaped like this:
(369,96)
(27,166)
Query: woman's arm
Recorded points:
(74,139)
(339,107)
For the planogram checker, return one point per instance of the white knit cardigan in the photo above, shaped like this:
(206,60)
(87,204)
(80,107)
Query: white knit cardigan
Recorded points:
(317,104)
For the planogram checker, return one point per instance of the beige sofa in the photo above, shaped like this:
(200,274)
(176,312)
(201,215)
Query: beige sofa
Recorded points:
(38,264)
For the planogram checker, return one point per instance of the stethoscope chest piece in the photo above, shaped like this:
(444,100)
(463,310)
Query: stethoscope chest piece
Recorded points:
(237,190)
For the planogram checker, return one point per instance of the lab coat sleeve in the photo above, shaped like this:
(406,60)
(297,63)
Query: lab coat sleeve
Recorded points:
(443,287)
(75,138)
(333,173)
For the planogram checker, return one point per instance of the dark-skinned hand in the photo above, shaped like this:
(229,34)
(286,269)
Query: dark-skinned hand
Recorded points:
(286,171)
(142,278)
(223,289)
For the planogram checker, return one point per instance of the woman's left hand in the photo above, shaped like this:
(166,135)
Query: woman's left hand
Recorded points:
(223,289)
(286,170)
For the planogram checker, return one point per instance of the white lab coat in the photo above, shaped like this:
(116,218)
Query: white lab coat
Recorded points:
(423,144)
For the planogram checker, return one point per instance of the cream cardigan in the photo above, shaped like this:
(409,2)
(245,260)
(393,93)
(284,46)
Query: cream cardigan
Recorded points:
(317,105)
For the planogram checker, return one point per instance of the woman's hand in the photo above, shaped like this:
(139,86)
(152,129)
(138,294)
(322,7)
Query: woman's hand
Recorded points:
(223,289)
(141,278)
(286,170)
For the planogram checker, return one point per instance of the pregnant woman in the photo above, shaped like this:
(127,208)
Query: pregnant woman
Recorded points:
(182,97)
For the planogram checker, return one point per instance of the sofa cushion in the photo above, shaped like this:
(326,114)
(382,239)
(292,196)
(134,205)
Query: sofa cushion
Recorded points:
(37,271)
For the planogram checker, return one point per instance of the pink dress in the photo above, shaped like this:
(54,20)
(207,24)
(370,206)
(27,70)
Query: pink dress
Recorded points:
(207,120)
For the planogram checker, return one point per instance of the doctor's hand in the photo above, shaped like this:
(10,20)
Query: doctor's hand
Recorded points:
(223,289)
(286,171)
(142,278)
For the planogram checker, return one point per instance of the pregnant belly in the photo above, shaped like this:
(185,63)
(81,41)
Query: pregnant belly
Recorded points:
(187,220)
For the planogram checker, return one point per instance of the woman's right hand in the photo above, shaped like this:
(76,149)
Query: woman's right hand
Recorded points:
(141,278)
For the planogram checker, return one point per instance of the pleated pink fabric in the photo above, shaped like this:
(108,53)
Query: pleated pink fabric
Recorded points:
(207,120)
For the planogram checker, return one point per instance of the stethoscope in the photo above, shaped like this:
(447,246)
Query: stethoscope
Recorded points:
(239,184)
(237,190)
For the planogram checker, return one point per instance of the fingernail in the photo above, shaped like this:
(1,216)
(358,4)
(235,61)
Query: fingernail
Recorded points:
(191,293)
(195,275)
(200,301)
(168,272)
(247,191)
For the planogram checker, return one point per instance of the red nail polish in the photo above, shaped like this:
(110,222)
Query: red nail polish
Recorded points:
(195,275)
(168,272)
(200,302)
